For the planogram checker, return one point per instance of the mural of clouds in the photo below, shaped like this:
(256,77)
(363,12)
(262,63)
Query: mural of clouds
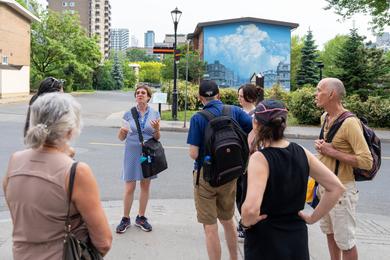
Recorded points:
(247,48)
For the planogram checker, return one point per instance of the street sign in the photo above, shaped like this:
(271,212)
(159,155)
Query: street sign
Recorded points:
(159,98)
(163,50)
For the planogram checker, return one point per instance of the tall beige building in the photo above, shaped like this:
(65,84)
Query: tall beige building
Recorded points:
(95,17)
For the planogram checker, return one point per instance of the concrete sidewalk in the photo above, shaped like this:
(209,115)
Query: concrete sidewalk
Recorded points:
(177,235)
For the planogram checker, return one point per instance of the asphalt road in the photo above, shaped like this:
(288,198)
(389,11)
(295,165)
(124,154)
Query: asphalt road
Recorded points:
(99,147)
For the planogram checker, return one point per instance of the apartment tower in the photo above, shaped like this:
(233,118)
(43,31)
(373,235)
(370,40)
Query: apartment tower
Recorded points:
(119,39)
(95,17)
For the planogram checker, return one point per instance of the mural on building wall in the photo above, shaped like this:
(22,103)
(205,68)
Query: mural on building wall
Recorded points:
(234,52)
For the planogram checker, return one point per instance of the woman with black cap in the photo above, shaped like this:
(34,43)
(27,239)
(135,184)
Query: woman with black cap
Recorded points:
(277,179)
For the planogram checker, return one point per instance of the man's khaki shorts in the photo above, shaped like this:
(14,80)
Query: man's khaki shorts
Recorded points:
(341,220)
(213,203)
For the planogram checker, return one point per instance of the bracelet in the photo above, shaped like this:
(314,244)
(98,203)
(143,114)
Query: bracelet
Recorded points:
(243,226)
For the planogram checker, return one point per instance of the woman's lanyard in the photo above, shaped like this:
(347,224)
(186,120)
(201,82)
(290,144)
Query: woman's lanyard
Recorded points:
(142,121)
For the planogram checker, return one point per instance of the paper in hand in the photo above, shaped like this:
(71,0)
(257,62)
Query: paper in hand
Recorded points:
(126,125)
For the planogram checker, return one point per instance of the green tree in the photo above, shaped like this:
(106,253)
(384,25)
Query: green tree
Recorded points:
(330,53)
(308,71)
(150,72)
(61,48)
(296,49)
(117,74)
(378,67)
(102,77)
(22,3)
(196,67)
(354,70)
(377,9)
(138,55)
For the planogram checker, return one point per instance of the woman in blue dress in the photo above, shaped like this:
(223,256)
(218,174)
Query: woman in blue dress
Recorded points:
(149,121)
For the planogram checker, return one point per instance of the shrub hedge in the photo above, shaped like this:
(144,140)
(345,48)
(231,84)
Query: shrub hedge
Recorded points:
(300,103)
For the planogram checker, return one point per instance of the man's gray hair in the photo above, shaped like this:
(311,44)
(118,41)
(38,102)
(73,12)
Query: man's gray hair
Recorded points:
(336,85)
(53,117)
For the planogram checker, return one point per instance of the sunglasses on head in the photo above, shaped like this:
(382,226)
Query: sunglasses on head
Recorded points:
(58,81)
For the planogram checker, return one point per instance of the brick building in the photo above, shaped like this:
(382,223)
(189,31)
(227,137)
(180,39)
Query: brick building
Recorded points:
(15,38)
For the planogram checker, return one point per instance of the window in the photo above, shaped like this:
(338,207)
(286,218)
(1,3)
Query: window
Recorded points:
(64,4)
(71,4)
(5,60)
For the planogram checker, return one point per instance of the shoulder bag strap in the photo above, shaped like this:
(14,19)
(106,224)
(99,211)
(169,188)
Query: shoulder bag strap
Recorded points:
(135,115)
(72,176)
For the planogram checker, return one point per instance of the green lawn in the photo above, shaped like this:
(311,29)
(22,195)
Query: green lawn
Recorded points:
(167,115)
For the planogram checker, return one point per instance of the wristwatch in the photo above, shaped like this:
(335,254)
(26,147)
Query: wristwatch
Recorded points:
(243,226)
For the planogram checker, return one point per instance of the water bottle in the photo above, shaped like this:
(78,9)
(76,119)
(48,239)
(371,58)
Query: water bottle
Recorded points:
(207,165)
(142,159)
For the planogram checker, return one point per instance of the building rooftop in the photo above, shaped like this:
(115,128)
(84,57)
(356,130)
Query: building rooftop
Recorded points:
(20,9)
(199,26)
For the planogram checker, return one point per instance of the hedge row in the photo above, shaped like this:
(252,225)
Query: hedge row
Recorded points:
(300,103)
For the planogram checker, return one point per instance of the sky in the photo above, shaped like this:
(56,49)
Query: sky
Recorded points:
(141,15)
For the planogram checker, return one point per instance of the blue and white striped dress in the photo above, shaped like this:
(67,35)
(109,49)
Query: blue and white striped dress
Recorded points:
(132,170)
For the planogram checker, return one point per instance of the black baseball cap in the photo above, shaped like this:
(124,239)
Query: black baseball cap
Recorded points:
(208,88)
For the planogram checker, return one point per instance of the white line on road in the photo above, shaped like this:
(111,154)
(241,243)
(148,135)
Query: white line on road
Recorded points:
(113,144)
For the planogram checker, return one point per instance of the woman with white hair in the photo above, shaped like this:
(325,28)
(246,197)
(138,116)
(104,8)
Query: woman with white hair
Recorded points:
(36,185)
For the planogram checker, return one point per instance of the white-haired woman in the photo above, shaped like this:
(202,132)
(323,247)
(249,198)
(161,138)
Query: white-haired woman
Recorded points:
(41,172)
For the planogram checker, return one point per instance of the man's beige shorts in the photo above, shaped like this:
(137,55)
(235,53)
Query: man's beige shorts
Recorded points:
(341,220)
(213,203)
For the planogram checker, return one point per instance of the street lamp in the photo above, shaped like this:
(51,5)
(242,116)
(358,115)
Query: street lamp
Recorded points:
(320,65)
(176,14)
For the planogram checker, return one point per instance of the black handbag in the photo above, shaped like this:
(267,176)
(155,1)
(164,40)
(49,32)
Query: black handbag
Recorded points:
(75,249)
(152,150)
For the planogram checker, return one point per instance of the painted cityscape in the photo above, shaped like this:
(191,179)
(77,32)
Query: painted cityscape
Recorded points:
(236,51)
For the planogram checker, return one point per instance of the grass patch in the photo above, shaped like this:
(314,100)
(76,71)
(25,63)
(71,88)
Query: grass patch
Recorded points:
(167,115)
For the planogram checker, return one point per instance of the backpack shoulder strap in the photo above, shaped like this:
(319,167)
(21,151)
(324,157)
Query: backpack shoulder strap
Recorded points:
(336,125)
(227,110)
(333,130)
(207,114)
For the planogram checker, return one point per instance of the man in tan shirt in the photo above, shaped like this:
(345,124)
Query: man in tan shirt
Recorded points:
(351,150)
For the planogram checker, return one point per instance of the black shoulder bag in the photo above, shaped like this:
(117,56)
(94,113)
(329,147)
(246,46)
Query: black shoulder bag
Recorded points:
(75,249)
(152,150)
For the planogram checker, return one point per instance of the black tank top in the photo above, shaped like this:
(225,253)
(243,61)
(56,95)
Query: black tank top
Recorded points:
(285,192)
(283,234)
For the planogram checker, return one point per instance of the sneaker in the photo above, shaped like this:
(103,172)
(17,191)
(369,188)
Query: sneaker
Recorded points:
(125,223)
(241,232)
(143,223)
